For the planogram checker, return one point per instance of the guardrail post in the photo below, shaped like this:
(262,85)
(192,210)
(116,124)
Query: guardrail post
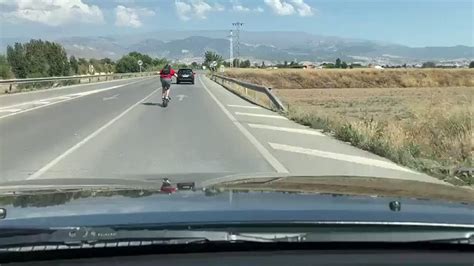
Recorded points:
(10,87)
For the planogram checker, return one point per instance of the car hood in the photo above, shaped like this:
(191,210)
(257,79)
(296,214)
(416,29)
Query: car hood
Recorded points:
(98,203)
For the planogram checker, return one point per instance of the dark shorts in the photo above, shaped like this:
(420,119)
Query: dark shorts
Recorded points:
(165,83)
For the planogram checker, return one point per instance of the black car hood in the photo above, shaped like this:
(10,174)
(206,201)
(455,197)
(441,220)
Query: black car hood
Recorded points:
(121,205)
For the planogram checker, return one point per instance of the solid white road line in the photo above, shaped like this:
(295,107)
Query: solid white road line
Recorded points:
(262,115)
(340,157)
(63,99)
(263,151)
(287,129)
(51,164)
(244,106)
(9,110)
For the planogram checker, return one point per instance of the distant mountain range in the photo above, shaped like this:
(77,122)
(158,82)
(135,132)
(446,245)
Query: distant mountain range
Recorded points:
(271,47)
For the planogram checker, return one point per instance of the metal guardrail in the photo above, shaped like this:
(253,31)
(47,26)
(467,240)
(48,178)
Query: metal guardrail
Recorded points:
(29,80)
(90,78)
(254,87)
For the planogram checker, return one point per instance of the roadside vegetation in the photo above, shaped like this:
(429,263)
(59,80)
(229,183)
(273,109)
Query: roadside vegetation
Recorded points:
(38,59)
(355,78)
(418,118)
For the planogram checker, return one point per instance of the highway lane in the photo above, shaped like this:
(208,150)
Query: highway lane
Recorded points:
(29,140)
(205,132)
(190,136)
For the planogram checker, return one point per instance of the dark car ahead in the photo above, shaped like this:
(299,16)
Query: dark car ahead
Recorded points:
(185,75)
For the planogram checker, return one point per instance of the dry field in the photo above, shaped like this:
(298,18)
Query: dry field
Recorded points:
(425,128)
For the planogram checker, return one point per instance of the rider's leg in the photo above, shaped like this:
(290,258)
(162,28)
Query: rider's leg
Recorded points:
(168,93)
(163,92)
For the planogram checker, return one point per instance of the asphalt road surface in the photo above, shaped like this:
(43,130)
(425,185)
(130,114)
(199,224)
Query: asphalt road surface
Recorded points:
(120,130)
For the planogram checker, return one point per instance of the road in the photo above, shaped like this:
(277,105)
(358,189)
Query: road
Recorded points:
(119,130)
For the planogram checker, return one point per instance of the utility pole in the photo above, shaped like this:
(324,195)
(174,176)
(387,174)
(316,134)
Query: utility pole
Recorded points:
(237,26)
(231,48)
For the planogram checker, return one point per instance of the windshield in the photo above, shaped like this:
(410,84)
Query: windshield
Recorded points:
(141,100)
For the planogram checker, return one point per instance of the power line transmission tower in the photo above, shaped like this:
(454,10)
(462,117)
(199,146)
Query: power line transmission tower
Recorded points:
(231,48)
(237,26)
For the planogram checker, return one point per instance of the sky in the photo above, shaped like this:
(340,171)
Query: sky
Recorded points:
(414,23)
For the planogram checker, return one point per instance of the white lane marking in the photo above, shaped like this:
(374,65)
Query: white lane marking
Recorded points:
(71,97)
(263,151)
(244,106)
(261,115)
(113,97)
(9,110)
(340,157)
(41,102)
(181,97)
(287,129)
(51,164)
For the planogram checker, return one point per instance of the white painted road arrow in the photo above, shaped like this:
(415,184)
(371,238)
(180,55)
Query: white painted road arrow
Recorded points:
(181,97)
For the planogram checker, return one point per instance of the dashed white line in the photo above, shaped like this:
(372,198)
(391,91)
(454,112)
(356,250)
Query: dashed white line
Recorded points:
(51,164)
(340,157)
(244,106)
(261,115)
(287,129)
(263,151)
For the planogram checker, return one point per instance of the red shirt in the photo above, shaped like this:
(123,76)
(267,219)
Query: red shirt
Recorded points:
(169,76)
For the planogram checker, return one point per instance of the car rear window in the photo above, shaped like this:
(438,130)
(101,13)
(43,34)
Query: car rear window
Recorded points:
(185,71)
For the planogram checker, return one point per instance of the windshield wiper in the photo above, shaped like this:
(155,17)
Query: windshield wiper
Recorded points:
(100,237)
(84,237)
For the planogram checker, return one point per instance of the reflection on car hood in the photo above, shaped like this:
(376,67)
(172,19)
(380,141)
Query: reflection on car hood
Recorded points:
(82,204)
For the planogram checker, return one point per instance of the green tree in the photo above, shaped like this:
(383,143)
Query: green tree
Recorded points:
(5,68)
(146,59)
(245,64)
(344,65)
(428,65)
(338,63)
(127,64)
(210,57)
(37,58)
(74,64)
(83,66)
(471,65)
(195,65)
(17,60)
(263,64)
(236,62)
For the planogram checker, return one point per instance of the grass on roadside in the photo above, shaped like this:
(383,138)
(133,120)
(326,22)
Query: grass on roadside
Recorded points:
(436,143)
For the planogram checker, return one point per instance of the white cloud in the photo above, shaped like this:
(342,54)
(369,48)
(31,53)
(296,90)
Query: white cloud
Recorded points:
(195,9)
(238,7)
(55,12)
(280,7)
(303,9)
(130,17)
(290,7)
